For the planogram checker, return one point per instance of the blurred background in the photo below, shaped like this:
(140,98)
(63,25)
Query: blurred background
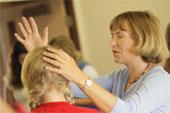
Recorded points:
(85,21)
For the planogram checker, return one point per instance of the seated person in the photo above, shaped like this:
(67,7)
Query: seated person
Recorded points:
(66,44)
(48,92)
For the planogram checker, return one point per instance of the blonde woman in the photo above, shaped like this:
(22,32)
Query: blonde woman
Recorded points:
(141,87)
(48,92)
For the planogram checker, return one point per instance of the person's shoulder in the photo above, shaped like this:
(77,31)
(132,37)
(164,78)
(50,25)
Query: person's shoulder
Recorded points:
(157,76)
(157,82)
(158,72)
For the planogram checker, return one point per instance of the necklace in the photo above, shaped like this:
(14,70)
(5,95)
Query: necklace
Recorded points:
(130,81)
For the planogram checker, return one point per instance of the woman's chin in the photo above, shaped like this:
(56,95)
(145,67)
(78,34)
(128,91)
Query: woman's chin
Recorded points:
(117,61)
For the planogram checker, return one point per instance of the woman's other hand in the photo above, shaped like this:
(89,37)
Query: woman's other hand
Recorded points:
(63,64)
(31,38)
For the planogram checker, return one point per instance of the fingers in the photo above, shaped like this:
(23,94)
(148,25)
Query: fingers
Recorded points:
(33,25)
(55,51)
(53,56)
(22,29)
(26,25)
(52,62)
(60,52)
(52,50)
(55,70)
(65,54)
(19,38)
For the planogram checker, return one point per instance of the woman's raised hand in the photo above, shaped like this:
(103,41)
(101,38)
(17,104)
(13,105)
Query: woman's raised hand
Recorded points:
(30,36)
(63,64)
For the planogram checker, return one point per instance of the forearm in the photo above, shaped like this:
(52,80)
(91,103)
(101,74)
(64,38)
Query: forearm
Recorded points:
(83,101)
(100,97)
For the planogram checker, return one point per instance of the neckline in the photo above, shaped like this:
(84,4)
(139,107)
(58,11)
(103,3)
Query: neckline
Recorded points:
(141,77)
(148,67)
(57,103)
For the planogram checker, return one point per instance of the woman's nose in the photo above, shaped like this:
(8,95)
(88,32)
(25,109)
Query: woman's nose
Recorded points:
(113,42)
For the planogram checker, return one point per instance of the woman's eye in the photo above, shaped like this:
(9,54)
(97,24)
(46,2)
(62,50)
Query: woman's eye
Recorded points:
(120,36)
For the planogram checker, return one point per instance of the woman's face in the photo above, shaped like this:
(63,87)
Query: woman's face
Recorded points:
(122,44)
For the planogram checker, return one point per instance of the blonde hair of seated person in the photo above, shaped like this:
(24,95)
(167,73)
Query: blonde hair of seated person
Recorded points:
(38,81)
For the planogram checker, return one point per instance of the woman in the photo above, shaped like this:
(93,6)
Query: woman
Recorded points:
(143,86)
(48,92)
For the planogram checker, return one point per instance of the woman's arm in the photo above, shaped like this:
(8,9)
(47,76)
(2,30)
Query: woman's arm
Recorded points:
(83,101)
(105,81)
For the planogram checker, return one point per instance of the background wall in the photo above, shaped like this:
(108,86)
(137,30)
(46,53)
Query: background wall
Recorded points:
(93,19)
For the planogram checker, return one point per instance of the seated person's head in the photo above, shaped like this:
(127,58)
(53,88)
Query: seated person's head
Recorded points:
(65,43)
(39,82)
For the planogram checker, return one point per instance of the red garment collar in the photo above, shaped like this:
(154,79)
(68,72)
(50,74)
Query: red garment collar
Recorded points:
(55,104)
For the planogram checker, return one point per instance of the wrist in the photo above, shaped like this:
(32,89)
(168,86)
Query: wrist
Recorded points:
(83,80)
(85,83)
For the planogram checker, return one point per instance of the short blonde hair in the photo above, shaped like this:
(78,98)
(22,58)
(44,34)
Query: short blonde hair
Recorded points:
(146,33)
(38,81)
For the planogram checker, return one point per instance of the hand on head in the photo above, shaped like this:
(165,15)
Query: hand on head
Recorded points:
(30,36)
(63,64)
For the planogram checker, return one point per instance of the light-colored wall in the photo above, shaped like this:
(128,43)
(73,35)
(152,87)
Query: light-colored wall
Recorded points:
(93,18)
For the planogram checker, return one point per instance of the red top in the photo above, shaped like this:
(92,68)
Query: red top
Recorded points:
(19,108)
(62,107)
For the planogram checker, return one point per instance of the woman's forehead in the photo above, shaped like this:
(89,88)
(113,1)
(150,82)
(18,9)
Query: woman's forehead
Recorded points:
(123,26)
